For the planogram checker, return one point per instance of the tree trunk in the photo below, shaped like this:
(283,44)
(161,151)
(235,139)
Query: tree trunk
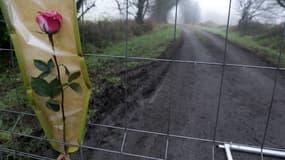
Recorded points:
(140,13)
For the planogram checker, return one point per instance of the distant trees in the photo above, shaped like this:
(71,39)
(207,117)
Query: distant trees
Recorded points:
(190,11)
(157,9)
(160,9)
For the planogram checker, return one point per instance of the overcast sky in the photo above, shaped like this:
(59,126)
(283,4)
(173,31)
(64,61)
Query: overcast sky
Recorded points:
(214,10)
(217,10)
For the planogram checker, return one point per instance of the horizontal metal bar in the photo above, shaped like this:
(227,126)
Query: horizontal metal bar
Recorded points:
(155,133)
(17,112)
(140,156)
(120,128)
(254,150)
(3,49)
(23,154)
(228,152)
(187,61)
(81,146)
(171,135)
(178,61)
(128,129)
(135,130)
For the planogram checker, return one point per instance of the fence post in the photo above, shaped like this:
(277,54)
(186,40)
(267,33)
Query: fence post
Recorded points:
(175,23)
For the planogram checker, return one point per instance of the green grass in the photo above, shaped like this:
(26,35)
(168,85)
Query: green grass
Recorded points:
(12,91)
(12,97)
(107,71)
(149,46)
(263,45)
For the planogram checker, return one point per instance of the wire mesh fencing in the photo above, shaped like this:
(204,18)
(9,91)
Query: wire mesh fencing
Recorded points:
(164,126)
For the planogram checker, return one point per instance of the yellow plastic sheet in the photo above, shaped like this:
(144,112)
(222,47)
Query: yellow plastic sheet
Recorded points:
(32,44)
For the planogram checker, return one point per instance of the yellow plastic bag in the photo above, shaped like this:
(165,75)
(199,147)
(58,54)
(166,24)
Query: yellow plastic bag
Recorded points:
(47,44)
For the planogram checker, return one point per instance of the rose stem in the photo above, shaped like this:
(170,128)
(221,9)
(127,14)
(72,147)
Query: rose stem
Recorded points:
(50,36)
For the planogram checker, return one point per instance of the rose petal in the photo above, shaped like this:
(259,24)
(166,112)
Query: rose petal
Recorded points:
(42,23)
(49,21)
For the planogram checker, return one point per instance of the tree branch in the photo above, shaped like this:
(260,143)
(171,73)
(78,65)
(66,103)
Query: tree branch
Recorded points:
(86,10)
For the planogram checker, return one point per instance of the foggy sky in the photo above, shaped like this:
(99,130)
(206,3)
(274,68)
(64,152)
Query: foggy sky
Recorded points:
(211,10)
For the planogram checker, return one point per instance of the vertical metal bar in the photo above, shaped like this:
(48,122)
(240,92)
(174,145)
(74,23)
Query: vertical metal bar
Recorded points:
(127,31)
(175,23)
(16,123)
(124,140)
(166,148)
(169,96)
(126,71)
(81,153)
(82,29)
(168,126)
(81,146)
(276,73)
(14,70)
(14,154)
(13,78)
(221,82)
(12,131)
(83,48)
(12,55)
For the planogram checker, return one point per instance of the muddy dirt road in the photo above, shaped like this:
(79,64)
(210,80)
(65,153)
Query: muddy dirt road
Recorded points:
(190,92)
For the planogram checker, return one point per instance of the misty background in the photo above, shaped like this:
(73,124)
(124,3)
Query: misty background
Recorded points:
(210,10)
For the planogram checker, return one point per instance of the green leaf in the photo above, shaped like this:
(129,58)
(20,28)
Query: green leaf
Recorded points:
(41,87)
(44,74)
(41,65)
(75,86)
(66,70)
(55,86)
(50,65)
(74,76)
(53,105)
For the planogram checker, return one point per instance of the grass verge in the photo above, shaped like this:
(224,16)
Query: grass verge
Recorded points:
(148,46)
(106,71)
(262,45)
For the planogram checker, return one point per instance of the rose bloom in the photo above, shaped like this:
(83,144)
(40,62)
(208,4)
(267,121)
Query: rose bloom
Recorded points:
(49,21)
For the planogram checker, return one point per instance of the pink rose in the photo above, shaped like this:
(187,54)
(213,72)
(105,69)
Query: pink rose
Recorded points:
(49,21)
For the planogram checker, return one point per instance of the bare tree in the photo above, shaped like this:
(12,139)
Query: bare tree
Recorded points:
(81,10)
(120,7)
(141,7)
(281,3)
(250,10)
